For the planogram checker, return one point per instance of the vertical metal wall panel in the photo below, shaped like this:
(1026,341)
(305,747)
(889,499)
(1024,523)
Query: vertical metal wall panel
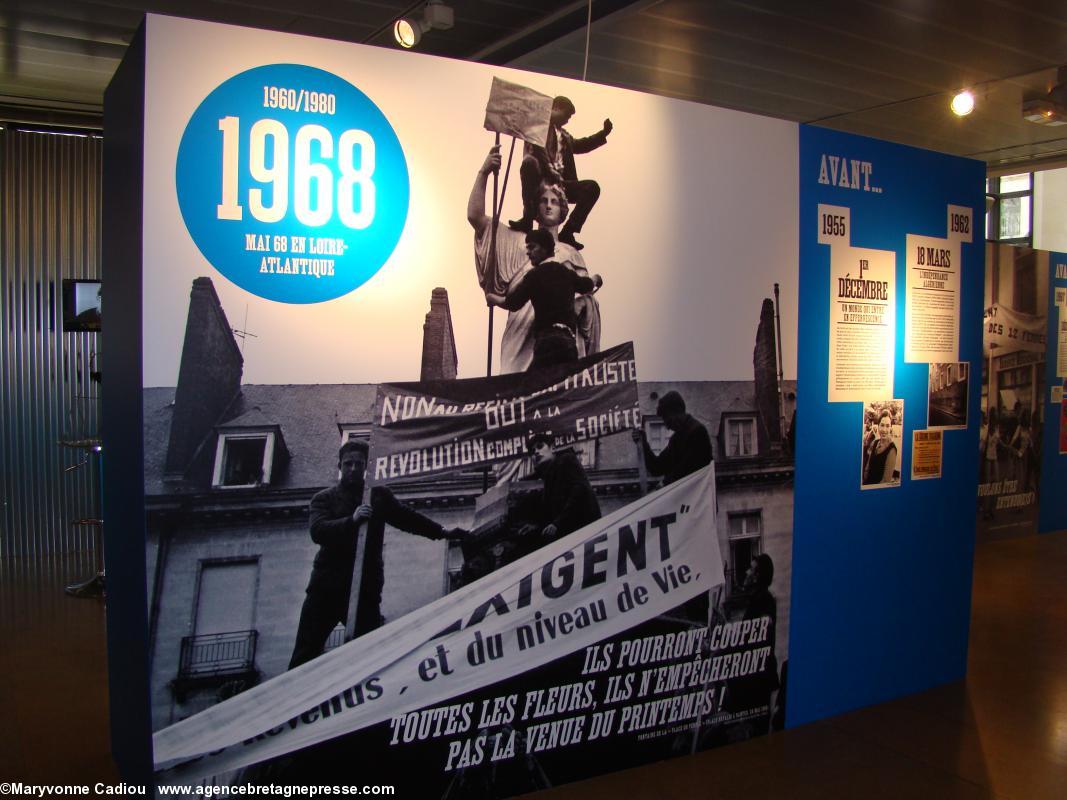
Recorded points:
(50,204)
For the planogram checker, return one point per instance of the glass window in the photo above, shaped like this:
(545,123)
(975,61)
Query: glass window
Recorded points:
(1010,217)
(355,433)
(243,460)
(741,437)
(1015,183)
(226,598)
(1015,217)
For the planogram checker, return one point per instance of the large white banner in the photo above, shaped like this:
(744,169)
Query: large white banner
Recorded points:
(628,567)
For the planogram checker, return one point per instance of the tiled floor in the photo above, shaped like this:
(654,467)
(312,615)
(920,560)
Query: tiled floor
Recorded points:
(1000,734)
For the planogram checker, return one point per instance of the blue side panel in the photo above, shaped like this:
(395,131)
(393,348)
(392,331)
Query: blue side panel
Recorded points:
(1052,513)
(881,579)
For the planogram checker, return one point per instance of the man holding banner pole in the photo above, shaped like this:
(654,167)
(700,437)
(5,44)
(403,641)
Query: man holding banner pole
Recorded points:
(338,516)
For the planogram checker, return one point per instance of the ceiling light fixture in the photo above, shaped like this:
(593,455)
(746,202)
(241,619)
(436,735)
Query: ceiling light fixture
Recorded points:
(1051,109)
(436,15)
(962,104)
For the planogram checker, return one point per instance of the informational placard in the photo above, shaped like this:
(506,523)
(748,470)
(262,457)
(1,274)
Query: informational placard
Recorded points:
(862,316)
(900,191)
(932,310)
(926,448)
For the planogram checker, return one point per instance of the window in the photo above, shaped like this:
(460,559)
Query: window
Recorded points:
(223,644)
(355,433)
(745,544)
(586,453)
(656,433)
(243,460)
(1024,282)
(1010,219)
(453,567)
(741,437)
(226,596)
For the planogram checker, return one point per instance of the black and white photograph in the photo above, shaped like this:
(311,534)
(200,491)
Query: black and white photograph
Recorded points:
(1013,389)
(455,492)
(947,396)
(883,432)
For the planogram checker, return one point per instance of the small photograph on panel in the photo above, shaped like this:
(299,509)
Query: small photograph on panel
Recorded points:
(947,398)
(883,431)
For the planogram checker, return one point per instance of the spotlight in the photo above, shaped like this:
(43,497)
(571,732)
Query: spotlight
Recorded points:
(408,31)
(1051,109)
(1044,112)
(436,15)
(962,104)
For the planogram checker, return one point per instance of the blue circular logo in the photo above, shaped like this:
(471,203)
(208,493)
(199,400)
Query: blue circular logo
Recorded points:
(292,183)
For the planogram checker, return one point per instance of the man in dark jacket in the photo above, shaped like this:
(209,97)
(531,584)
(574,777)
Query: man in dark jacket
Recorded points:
(687,451)
(337,516)
(550,287)
(567,501)
(554,163)
(689,448)
(752,693)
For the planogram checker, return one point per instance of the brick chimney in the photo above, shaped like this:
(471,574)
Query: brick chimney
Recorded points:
(765,369)
(209,377)
(439,360)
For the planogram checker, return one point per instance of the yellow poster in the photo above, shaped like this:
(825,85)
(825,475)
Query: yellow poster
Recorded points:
(926,454)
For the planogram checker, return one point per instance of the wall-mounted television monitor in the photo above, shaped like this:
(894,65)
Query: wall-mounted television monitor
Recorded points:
(81,305)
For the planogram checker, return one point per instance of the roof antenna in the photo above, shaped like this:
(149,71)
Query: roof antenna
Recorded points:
(242,332)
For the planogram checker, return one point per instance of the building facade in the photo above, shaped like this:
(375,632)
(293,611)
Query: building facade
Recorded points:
(230,469)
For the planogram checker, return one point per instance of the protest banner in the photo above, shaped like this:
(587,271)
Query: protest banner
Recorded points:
(518,111)
(628,567)
(431,427)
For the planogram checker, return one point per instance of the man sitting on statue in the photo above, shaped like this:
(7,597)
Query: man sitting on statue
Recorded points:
(554,164)
(498,268)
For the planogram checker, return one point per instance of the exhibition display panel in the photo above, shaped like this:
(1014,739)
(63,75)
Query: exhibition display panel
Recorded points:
(455,433)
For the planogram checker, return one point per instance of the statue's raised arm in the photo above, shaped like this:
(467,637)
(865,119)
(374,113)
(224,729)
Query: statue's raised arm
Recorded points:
(476,215)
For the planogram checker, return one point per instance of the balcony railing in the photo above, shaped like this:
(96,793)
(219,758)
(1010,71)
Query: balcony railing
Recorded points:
(218,654)
(335,639)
